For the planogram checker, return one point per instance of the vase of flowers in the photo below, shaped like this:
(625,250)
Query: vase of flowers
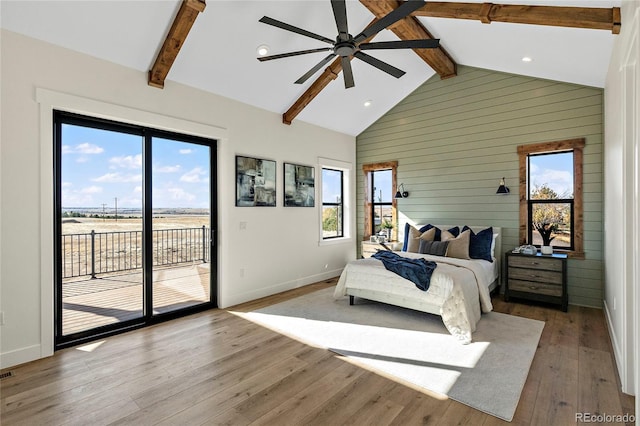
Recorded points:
(387,227)
(545,230)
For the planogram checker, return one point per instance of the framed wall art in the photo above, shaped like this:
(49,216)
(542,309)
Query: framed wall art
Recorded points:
(299,185)
(255,182)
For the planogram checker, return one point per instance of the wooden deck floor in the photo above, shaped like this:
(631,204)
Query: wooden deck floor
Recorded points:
(90,303)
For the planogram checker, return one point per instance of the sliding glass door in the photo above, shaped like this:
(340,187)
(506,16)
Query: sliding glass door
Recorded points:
(181,231)
(135,216)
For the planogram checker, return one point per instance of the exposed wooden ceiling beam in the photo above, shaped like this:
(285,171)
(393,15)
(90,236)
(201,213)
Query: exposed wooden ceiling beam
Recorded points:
(328,75)
(411,29)
(558,16)
(186,16)
(438,59)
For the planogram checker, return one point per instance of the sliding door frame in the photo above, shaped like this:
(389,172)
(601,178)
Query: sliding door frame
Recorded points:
(147,318)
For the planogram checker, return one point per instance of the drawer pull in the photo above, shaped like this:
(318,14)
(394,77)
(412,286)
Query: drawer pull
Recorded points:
(532,287)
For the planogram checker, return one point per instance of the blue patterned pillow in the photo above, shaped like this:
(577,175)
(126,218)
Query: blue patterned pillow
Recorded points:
(480,244)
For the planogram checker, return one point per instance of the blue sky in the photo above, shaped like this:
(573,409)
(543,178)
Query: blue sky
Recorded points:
(99,166)
(331,185)
(554,170)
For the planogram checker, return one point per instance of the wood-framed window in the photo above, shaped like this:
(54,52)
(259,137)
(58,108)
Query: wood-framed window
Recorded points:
(551,196)
(380,204)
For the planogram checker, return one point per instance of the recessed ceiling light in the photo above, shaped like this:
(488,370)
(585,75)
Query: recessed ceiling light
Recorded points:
(527,59)
(368,102)
(262,50)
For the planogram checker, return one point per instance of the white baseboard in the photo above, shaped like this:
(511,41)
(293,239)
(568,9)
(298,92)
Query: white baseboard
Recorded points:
(617,351)
(237,299)
(20,356)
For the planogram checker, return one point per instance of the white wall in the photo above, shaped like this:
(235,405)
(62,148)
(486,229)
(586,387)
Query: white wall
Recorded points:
(279,249)
(621,170)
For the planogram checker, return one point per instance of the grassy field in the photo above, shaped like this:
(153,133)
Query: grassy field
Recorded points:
(83,225)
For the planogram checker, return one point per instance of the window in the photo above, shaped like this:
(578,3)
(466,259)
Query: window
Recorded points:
(382,200)
(332,203)
(551,178)
(380,206)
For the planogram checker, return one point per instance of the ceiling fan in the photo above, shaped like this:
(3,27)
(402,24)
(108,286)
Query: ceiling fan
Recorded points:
(345,45)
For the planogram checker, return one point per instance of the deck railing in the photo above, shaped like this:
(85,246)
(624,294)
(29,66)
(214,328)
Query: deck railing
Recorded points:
(105,252)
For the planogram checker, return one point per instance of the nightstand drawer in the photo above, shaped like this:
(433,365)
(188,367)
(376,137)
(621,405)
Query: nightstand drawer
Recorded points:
(535,287)
(542,276)
(536,262)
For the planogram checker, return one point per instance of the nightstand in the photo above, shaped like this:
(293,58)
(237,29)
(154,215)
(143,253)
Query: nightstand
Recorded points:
(368,248)
(537,277)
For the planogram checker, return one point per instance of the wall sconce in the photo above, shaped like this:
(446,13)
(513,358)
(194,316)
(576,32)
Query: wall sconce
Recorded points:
(502,189)
(403,193)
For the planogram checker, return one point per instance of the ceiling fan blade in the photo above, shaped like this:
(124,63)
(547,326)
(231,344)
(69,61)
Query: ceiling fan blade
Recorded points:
(285,26)
(402,11)
(382,66)
(340,15)
(297,53)
(347,72)
(402,44)
(313,70)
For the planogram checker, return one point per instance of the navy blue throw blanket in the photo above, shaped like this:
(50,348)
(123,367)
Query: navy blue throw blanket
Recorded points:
(416,270)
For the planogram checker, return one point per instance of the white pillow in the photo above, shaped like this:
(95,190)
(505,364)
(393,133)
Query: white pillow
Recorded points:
(493,246)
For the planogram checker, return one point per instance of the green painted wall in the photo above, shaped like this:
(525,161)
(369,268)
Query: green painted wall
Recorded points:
(454,139)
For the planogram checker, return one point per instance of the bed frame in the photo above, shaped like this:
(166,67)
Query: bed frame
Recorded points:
(420,305)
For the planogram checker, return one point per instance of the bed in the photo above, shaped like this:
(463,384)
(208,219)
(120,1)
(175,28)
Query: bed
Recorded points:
(459,290)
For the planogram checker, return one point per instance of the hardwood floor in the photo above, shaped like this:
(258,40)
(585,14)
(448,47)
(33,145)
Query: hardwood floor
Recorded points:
(217,368)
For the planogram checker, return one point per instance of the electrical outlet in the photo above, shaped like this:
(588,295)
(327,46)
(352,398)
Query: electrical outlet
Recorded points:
(241,272)
(243,226)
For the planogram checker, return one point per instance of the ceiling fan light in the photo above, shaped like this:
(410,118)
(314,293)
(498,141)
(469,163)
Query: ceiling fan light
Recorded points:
(368,103)
(262,50)
(527,59)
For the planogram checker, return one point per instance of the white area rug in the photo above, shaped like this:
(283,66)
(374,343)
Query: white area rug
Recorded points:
(415,347)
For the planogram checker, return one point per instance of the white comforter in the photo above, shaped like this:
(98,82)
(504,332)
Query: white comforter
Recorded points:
(459,288)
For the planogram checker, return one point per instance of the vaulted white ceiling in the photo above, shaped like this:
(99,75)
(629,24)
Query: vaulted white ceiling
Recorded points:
(219,55)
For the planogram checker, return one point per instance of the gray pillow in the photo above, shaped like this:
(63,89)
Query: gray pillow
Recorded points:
(415,236)
(436,248)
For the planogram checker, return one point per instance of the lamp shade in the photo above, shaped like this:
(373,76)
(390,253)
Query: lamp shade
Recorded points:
(401,193)
(502,189)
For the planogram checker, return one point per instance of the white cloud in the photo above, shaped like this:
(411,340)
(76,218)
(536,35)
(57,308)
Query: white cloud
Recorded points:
(180,194)
(126,162)
(91,189)
(185,151)
(167,169)
(195,175)
(87,148)
(137,189)
(83,148)
(561,181)
(118,178)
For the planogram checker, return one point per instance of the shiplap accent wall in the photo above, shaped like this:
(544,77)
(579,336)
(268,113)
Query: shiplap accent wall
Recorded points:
(454,139)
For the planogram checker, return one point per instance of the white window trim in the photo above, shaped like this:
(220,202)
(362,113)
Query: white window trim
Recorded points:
(347,202)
